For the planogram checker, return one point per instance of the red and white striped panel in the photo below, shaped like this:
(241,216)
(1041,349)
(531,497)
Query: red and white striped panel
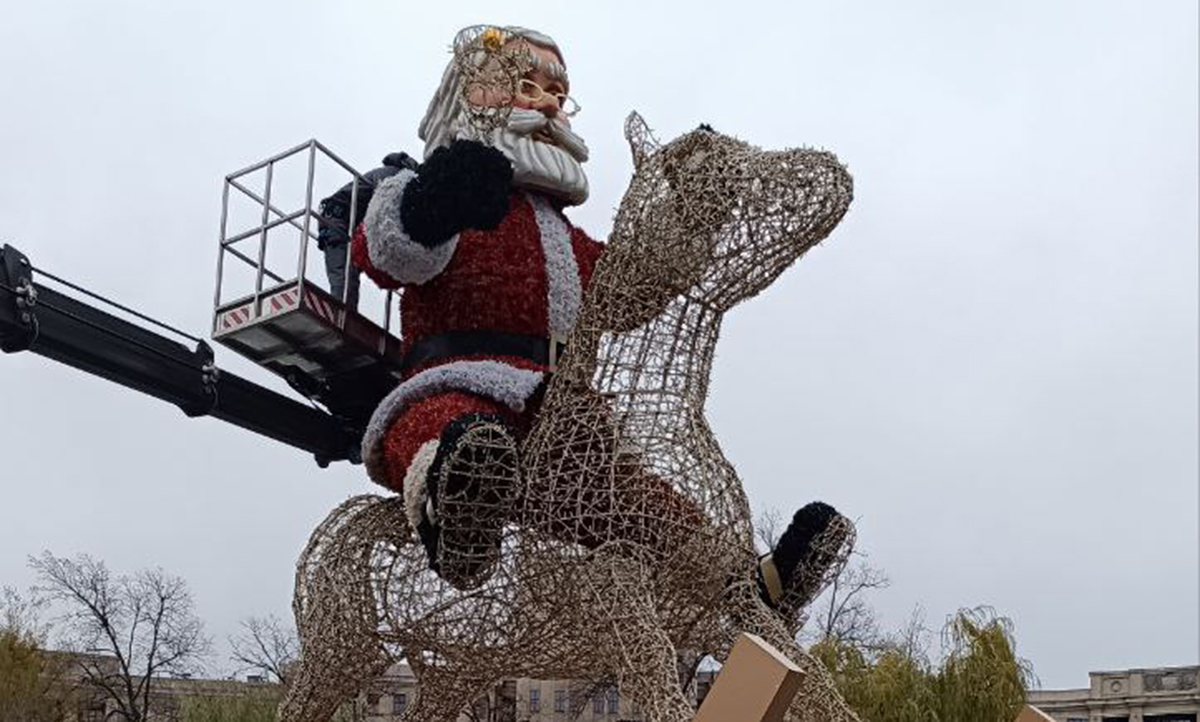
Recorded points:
(281,302)
(235,318)
(243,315)
(321,307)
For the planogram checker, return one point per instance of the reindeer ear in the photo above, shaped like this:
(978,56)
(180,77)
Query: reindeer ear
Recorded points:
(642,142)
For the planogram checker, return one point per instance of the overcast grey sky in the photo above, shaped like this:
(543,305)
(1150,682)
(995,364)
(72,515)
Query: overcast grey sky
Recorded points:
(991,365)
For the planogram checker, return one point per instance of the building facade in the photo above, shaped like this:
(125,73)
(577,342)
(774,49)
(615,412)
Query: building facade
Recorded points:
(514,700)
(1169,694)
(72,676)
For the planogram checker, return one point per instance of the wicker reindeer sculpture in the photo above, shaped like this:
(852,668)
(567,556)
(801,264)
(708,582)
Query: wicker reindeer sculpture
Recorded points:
(632,539)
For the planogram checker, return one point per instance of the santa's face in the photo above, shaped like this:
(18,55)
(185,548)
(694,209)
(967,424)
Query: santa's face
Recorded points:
(546,154)
(540,90)
(543,92)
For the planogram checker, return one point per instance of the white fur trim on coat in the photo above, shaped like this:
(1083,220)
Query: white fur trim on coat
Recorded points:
(564,292)
(498,381)
(390,248)
(416,490)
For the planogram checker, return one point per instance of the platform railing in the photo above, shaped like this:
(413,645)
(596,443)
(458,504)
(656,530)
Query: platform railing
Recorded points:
(272,217)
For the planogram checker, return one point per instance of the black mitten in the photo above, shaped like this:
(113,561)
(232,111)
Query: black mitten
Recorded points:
(464,185)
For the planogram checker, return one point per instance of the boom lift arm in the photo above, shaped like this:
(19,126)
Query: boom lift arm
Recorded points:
(53,324)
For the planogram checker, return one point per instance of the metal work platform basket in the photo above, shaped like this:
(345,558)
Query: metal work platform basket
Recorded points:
(271,308)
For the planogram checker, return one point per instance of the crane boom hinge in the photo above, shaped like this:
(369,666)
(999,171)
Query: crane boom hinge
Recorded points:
(209,376)
(16,276)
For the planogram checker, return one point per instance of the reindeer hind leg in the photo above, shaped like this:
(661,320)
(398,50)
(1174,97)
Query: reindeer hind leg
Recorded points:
(443,694)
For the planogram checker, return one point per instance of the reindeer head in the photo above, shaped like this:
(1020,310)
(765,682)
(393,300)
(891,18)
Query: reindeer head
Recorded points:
(718,218)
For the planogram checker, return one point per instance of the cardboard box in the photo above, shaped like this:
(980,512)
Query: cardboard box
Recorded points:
(756,684)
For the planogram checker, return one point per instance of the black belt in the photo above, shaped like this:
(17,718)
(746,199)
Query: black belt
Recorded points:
(483,343)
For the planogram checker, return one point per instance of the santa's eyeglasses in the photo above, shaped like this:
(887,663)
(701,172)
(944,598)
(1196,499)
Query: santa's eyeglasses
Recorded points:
(531,92)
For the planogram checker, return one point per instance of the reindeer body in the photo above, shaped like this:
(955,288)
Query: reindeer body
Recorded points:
(707,222)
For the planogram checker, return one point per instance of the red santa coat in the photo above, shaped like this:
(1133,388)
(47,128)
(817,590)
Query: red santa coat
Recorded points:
(525,277)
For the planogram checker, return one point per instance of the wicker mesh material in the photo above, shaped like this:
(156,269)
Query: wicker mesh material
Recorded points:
(629,536)
(490,63)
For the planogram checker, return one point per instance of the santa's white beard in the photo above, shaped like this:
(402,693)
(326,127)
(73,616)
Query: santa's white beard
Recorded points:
(555,169)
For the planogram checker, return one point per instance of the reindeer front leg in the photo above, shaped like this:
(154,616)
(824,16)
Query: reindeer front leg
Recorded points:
(637,649)
(818,699)
(648,671)
(335,608)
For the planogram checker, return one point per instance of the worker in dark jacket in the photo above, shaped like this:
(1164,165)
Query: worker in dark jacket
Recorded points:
(333,238)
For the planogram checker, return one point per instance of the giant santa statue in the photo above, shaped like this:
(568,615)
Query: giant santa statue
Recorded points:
(493,277)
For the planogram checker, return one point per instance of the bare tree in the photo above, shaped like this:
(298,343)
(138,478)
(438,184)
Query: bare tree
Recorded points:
(913,639)
(126,632)
(768,527)
(267,645)
(845,614)
(21,615)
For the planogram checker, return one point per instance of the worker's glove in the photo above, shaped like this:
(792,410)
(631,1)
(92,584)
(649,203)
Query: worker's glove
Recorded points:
(464,185)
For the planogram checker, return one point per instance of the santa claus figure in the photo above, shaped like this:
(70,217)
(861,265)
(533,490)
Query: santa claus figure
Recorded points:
(493,276)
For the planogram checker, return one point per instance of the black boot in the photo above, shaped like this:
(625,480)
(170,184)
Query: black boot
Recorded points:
(813,547)
(473,485)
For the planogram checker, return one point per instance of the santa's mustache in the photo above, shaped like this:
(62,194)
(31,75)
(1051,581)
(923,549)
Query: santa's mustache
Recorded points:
(552,167)
(525,122)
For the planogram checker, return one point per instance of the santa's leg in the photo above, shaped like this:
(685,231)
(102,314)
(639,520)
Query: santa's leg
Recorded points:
(453,457)
(641,510)
(584,488)
(809,554)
